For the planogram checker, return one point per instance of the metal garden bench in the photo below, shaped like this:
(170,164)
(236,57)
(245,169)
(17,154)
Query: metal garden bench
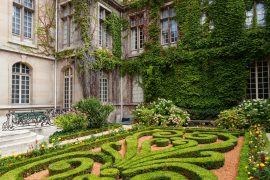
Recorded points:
(27,117)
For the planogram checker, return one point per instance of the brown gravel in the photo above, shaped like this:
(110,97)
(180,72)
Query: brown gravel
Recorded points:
(232,158)
(141,140)
(96,149)
(96,168)
(39,175)
(123,148)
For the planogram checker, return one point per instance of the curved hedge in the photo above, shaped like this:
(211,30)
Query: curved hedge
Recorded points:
(184,160)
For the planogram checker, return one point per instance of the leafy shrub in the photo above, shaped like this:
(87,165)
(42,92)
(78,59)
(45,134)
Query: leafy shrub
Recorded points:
(162,113)
(257,112)
(96,112)
(232,119)
(71,121)
(248,113)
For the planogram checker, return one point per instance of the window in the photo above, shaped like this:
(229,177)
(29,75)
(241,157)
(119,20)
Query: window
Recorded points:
(23,11)
(205,21)
(68,88)
(103,87)
(257,12)
(137,32)
(168,26)
(104,33)
(68,25)
(259,80)
(20,84)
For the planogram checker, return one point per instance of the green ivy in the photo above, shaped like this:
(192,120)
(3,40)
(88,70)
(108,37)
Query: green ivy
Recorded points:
(207,71)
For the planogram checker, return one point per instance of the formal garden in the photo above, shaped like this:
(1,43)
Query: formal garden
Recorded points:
(160,145)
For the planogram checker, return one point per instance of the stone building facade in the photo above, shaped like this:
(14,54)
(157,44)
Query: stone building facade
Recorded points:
(29,79)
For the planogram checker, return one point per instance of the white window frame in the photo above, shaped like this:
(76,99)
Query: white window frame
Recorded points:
(21,75)
(136,38)
(104,36)
(162,19)
(258,95)
(103,87)
(70,25)
(68,93)
(24,8)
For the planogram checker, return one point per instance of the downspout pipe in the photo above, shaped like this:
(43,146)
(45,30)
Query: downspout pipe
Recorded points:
(56,49)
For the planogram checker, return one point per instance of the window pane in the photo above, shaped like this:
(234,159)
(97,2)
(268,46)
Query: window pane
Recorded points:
(249,18)
(28,3)
(165,14)
(141,37)
(68,89)
(65,32)
(165,33)
(203,19)
(134,42)
(172,12)
(174,31)
(260,14)
(16,21)
(28,24)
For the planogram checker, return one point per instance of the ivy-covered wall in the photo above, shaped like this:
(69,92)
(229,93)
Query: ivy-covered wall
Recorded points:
(207,71)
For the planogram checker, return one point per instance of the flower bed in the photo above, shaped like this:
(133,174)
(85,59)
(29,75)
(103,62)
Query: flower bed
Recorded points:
(187,154)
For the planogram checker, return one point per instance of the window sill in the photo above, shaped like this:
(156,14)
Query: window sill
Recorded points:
(135,53)
(169,45)
(27,43)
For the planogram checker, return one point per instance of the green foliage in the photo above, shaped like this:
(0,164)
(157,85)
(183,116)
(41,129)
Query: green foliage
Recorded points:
(206,72)
(161,113)
(71,121)
(162,142)
(96,113)
(232,119)
(257,112)
(116,25)
(105,60)
(248,113)
(184,160)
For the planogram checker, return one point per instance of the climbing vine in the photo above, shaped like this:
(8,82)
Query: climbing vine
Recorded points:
(207,70)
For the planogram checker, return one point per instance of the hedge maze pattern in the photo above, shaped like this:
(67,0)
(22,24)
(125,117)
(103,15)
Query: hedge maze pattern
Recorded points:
(191,156)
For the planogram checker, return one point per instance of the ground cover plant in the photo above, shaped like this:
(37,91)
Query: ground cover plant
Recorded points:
(179,154)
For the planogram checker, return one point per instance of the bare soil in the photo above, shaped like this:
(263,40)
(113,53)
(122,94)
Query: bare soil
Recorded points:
(38,176)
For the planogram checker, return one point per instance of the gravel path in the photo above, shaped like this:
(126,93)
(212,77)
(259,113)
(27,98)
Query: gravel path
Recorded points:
(232,158)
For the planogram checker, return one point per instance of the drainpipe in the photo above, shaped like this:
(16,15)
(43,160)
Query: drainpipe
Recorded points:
(55,60)
(121,91)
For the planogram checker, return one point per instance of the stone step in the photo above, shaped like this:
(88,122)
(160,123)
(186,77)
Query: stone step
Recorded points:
(25,137)
(10,135)
(16,144)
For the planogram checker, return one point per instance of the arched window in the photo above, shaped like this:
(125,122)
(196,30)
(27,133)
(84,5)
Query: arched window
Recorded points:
(103,87)
(20,84)
(68,76)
